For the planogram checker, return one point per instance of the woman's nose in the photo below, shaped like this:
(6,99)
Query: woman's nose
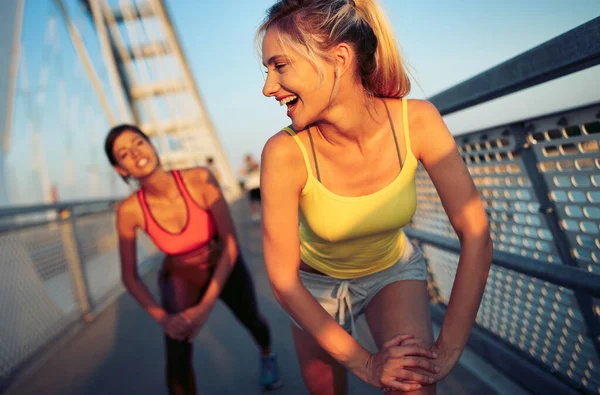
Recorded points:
(271,86)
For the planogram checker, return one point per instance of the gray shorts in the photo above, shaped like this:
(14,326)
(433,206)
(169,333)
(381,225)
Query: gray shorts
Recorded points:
(346,300)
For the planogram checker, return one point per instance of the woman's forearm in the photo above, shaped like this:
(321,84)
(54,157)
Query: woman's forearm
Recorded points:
(469,284)
(220,276)
(143,296)
(303,307)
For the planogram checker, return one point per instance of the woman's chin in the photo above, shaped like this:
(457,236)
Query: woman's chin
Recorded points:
(147,171)
(298,124)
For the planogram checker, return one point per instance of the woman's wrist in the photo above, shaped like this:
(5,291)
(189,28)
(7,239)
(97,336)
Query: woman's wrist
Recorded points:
(360,364)
(453,351)
(158,315)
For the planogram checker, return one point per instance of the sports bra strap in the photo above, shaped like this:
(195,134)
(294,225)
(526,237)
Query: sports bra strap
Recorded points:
(145,209)
(177,177)
(181,185)
(291,132)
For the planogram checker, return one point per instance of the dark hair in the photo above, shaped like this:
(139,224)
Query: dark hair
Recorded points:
(112,136)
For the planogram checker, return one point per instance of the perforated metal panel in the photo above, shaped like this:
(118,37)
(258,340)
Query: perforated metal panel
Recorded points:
(569,159)
(537,317)
(101,263)
(38,297)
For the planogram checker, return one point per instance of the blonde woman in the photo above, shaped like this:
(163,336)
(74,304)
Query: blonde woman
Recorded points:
(345,171)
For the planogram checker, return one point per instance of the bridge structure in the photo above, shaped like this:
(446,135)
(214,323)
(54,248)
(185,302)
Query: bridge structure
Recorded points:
(538,327)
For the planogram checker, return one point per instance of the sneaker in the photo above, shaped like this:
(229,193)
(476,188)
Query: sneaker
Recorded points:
(269,372)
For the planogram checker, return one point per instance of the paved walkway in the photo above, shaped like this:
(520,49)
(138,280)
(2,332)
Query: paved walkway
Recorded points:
(121,351)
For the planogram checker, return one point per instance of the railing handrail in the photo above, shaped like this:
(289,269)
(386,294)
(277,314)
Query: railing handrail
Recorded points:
(530,120)
(567,53)
(67,205)
(557,274)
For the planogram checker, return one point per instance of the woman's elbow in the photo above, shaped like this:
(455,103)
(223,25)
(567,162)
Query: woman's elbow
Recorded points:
(283,289)
(232,252)
(128,280)
(479,238)
(476,233)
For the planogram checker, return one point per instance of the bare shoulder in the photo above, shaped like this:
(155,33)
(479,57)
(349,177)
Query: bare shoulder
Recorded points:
(202,185)
(129,212)
(422,112)
(197,176)
(282,161)
(426,126)
(419,112)
(281,147)
(129,205)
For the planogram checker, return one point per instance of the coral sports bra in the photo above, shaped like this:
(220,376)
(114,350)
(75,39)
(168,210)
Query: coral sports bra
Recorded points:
(198,231)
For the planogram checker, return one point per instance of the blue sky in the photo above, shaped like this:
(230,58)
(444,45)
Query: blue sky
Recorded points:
(445,42)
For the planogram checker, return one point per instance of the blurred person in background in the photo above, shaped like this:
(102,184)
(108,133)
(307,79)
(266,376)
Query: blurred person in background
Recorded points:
(251,173)
(210,164)
(186,216)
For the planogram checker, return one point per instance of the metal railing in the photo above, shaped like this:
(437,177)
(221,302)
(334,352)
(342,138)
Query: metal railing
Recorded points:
(59,266)
(539,179)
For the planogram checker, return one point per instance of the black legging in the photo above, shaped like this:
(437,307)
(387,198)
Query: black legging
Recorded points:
(178,295)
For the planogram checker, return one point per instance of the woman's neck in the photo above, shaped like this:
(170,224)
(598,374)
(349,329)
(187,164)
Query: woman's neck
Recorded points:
(159,183)
(354,120)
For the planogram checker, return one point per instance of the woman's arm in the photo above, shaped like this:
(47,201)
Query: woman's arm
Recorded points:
(281,184)
(129,274)
(218,207)
(450,176)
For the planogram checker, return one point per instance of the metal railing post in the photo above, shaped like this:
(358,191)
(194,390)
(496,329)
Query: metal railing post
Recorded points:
(74,256)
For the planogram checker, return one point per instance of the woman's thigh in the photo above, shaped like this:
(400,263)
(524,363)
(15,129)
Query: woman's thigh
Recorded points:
(401,307)
(177,293)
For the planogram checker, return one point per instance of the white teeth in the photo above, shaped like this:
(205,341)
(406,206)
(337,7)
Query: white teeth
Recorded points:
(286,100)
(142,162)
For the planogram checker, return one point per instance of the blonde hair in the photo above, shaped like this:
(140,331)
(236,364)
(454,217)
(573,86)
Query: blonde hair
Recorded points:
(312,27)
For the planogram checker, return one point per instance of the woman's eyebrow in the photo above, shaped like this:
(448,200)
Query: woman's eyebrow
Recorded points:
(272,59)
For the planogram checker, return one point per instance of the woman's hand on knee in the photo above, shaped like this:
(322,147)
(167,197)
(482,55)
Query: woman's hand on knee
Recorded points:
(391,367)
(193,319)
(447,358)
(176,326)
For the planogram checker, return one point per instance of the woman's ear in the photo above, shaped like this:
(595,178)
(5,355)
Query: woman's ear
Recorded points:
(343,56)
(122,172)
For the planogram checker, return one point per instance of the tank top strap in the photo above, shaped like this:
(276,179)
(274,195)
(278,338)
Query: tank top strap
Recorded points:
(387,110)
(291,132)
(405,124)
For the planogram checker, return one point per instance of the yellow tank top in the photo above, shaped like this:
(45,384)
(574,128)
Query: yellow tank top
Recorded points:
(351,237)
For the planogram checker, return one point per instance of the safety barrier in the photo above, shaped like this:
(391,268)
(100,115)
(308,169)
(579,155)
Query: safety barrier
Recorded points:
(59,266)
(539,180)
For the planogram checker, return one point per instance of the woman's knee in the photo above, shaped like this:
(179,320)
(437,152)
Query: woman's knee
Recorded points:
(179,354)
